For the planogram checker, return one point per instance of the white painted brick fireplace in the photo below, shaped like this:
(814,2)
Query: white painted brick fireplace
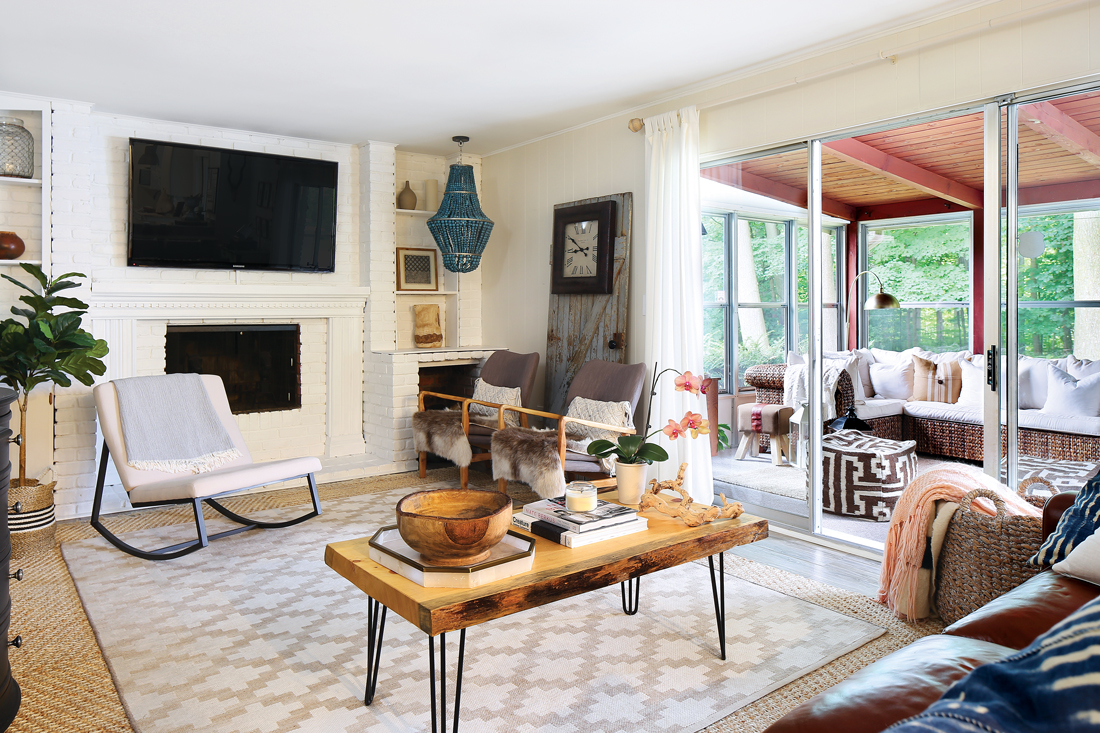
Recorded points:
(359,372)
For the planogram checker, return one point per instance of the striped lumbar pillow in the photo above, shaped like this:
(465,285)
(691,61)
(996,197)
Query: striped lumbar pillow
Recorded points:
(934,382)
(1075,526)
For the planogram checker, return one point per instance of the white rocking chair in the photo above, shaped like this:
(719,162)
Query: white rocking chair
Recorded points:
(156,488)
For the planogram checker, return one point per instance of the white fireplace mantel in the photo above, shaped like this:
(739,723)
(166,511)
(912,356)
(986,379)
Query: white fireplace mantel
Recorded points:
(155,301)
(116,308)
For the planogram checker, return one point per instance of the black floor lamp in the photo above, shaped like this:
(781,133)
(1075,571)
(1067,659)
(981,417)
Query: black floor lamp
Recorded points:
(878,301)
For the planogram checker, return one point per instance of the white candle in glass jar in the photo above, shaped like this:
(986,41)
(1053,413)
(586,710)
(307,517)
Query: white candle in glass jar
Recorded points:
(580,497)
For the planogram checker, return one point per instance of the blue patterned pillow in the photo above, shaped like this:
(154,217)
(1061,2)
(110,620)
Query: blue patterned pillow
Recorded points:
(1049,687)
(1079,521)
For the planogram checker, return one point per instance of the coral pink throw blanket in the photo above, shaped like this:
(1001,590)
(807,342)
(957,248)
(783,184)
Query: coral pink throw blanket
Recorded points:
(907,536)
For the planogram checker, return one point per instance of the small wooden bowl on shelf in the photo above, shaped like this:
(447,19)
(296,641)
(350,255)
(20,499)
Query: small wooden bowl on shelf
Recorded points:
(454,526)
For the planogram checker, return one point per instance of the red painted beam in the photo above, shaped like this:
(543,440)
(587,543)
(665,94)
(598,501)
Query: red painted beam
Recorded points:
(902,209)
(729,175)
(876,161)
(1061,129)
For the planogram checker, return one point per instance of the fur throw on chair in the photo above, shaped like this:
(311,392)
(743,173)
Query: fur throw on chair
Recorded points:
(440,432)
(530,456)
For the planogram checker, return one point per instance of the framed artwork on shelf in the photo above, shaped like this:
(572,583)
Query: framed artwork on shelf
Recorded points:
(584,249)
(416,270)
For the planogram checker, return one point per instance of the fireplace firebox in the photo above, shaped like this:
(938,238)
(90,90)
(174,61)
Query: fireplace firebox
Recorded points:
(259,364)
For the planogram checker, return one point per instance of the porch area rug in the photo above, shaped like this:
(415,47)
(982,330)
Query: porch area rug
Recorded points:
(255,633)
(785,480)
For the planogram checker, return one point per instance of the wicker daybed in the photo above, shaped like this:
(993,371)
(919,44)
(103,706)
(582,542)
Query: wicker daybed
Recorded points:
(934,437)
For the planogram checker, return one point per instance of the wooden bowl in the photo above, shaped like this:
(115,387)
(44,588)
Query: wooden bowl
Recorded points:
(454,526)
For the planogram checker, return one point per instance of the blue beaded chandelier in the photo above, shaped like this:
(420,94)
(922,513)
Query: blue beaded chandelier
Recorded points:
(460,227)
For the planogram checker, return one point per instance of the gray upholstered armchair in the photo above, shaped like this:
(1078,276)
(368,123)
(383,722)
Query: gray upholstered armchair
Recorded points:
(602,381)
(452,434)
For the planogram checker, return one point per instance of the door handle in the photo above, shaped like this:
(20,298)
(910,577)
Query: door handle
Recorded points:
(991,367)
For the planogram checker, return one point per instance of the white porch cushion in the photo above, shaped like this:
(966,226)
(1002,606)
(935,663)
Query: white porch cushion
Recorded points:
(1034,378)
(1081,368)
(498,395)
(235,478)
(893,380)
(1072,424)
(961,413)
(973,383)
(879,407)
(1069,396)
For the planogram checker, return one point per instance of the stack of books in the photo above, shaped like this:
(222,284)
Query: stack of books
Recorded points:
(551,520)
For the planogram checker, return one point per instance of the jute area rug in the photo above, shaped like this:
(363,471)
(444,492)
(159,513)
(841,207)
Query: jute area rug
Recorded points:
(67,687)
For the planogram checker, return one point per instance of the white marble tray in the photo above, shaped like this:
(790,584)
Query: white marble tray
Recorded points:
(511,556)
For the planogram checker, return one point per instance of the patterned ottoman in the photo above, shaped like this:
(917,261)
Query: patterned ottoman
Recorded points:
(865,475)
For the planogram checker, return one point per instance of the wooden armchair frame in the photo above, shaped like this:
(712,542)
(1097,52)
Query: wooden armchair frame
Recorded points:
(562,421)
(480,454)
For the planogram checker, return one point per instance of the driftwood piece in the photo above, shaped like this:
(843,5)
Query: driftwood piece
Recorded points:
(693,516)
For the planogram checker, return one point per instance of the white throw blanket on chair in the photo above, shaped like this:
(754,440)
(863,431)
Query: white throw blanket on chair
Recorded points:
(796,388)
(169,424)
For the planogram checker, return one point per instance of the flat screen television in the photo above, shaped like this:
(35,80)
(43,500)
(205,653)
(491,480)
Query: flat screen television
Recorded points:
(199,207)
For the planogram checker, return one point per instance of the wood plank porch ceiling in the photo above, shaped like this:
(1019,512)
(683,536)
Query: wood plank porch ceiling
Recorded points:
(1054,163)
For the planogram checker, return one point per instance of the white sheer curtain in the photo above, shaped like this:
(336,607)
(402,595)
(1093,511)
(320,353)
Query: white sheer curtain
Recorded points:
(674,288)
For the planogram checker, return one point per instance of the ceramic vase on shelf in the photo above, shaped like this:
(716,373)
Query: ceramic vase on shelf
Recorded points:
(11,246)
(630,481)
(406,199)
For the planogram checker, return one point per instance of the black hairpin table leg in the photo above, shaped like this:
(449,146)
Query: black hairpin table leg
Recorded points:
(376,630)
(442,706)
(718,589)
(630,605)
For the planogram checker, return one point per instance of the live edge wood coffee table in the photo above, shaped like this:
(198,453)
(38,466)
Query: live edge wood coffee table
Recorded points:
(558,572)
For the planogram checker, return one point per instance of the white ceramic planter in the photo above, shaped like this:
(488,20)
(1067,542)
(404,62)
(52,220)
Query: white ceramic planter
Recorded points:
(630,479)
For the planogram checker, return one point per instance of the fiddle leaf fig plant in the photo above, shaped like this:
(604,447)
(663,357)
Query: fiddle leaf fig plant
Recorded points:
(49,347)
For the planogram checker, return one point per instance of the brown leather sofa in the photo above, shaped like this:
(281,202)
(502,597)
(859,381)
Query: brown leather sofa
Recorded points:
(904,683)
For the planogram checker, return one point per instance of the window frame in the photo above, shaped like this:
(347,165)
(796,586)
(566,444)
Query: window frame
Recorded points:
(730,380)
(911,222)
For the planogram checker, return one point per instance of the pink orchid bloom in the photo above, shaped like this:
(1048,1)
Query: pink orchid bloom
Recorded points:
(688,382)
(694,423)
(673,430)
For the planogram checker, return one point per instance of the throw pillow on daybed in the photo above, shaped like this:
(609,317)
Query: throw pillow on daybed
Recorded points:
(1083,562)
(973,382)
(499,395)
(1048,687)
(1069,396)
(1076,525)
(1081,368)
(893,381)
(934,382)
(1034,381)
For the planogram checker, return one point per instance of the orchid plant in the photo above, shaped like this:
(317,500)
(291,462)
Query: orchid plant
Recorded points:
(636,448)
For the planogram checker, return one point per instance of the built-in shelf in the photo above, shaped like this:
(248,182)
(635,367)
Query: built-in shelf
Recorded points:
(11,181)
(12,263)
(415,212)
(446,350)
(427,292)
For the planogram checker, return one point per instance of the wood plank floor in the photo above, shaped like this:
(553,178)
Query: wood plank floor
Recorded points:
(816,562)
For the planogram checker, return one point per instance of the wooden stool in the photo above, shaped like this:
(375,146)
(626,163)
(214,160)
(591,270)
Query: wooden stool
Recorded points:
(773,421)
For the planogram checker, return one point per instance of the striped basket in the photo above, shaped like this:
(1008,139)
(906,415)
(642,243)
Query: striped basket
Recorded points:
(33,527)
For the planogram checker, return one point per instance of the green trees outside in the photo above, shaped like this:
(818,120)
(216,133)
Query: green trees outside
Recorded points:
(924,265)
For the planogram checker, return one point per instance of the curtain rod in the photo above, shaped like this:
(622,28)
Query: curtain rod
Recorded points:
(637,124)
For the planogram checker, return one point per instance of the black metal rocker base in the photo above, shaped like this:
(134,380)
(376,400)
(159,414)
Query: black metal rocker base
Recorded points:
(186,548)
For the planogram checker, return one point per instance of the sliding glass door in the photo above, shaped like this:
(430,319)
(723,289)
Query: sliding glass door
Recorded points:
(1050,260)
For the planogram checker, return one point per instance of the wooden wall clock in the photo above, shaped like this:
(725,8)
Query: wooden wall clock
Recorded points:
(584,249)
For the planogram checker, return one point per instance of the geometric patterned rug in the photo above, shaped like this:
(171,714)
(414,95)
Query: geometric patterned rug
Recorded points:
(255,633)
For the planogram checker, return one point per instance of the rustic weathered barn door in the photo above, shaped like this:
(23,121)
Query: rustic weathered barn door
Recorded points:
(586,327)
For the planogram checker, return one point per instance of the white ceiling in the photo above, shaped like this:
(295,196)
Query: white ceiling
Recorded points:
(413,72)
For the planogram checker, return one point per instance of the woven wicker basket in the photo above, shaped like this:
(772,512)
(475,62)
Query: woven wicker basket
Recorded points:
(33,527)
(983,557)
